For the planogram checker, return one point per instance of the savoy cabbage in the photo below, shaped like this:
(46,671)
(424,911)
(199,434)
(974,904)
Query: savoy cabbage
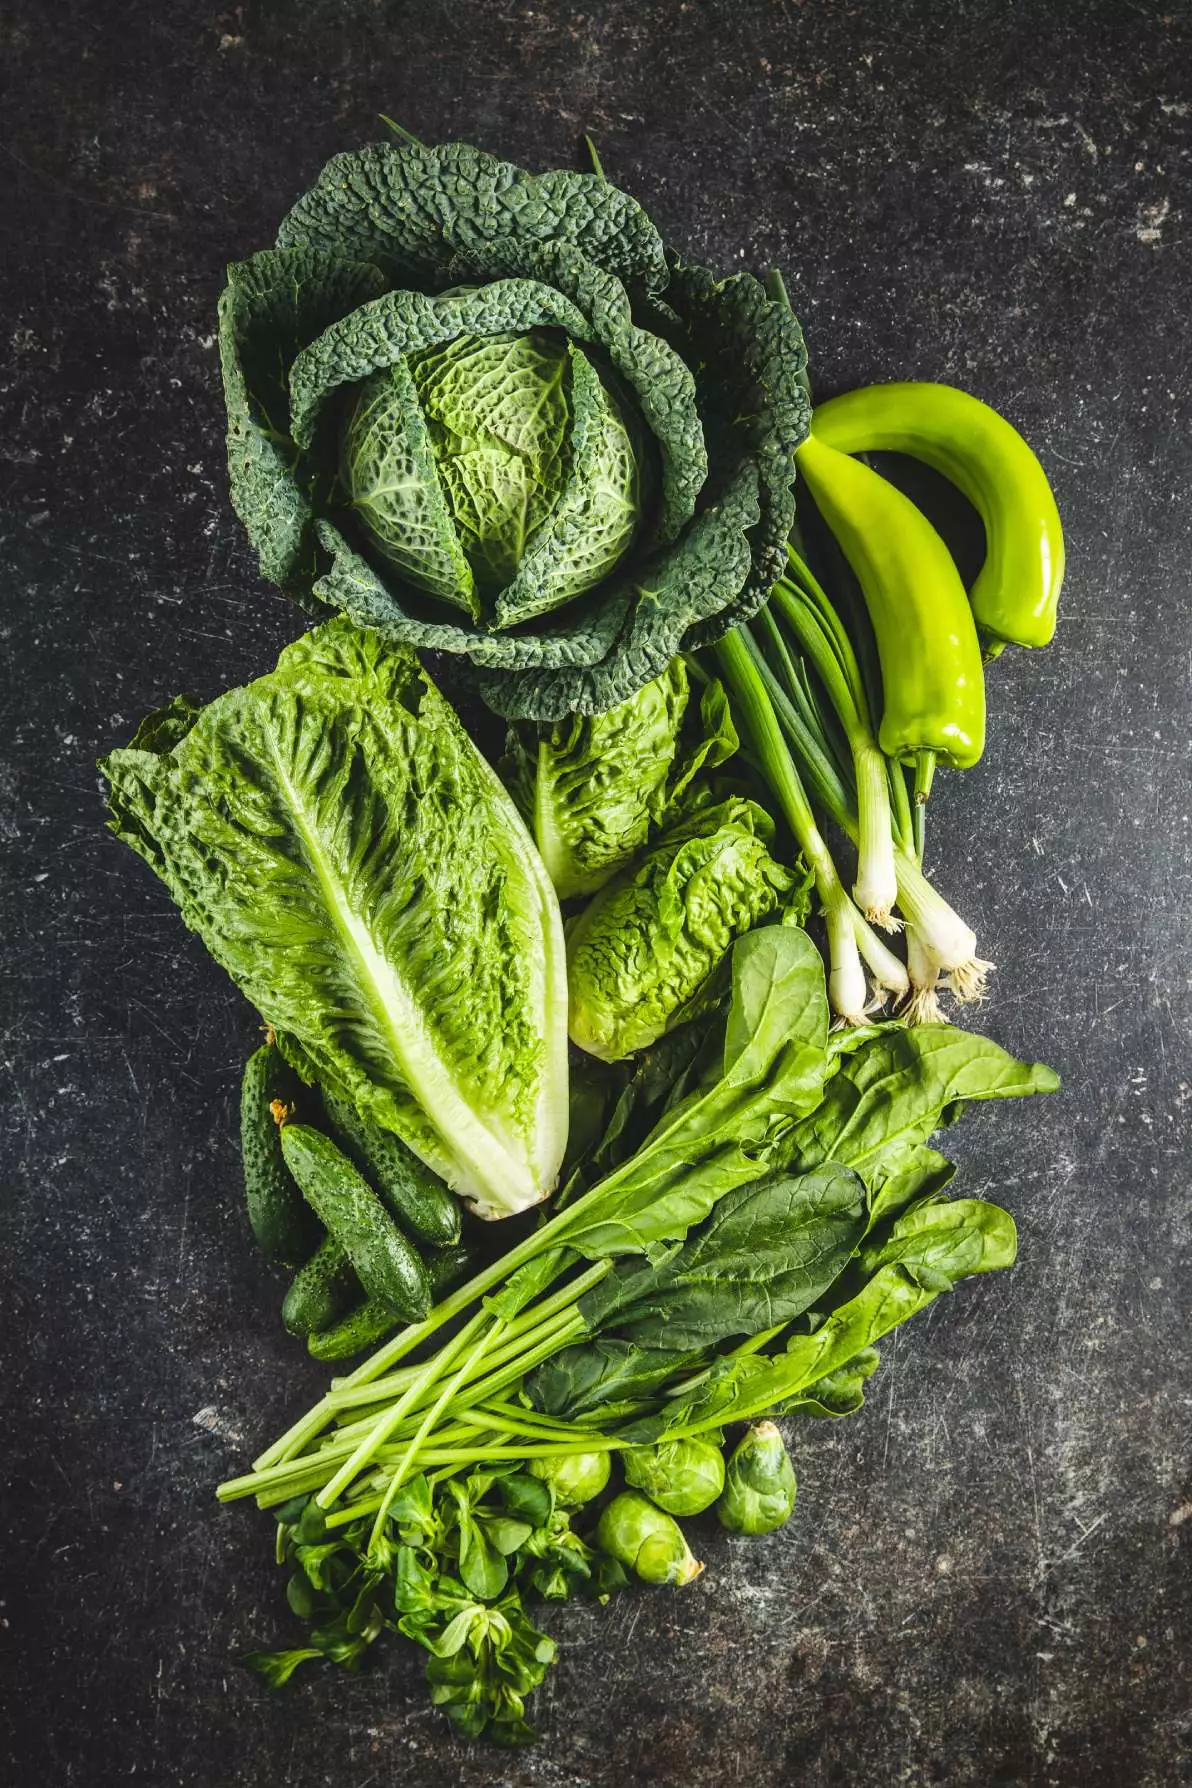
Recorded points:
(487,412)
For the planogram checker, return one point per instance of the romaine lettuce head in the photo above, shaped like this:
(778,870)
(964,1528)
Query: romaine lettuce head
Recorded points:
(351,860)
(484,411)
(642,953)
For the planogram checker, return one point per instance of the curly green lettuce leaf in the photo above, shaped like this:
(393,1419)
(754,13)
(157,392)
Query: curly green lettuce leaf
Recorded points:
(641,953)
(593,787)
(350,859)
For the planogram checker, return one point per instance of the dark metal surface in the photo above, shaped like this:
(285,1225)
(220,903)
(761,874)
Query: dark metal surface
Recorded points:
(986,1581)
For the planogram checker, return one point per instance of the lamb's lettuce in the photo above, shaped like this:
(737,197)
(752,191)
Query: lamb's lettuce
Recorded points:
(348,856)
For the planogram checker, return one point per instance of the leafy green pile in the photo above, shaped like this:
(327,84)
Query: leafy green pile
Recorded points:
(485,411)
(761,1207)
(488,413)
(463,1556)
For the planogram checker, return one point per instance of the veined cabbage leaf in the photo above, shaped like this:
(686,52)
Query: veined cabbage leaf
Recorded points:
(344,851)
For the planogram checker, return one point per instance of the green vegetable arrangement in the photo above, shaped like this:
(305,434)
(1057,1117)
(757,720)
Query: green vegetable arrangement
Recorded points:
(782,1212)
(486,412)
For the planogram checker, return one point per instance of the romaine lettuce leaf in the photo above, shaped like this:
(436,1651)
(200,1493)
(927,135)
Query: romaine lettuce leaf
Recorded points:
(642,952)
(348,856)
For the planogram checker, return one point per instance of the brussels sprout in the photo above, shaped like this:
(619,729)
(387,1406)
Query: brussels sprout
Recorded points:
(645,1540)
(759,1491)
(684,1477)
(574,1477)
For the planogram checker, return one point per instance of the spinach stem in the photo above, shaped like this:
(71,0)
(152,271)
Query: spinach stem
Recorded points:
(382,1429)
(483,1342)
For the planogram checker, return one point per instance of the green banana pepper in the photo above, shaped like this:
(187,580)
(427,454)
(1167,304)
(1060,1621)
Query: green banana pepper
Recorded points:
(1017,590)
(932,680)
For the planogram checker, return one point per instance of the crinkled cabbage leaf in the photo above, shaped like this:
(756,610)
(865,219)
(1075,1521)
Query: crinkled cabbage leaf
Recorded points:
(565,536)
(351,860)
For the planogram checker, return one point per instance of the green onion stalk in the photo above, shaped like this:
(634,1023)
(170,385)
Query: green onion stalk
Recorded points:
(850,938)
(806,611)
(791,736)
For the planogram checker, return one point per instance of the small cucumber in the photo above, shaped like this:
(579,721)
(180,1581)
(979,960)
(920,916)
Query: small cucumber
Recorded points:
(372,1322)
(387,1265)
(449,1267)
(321,1290)
(416,1196)
(359,1329)
(281,1221)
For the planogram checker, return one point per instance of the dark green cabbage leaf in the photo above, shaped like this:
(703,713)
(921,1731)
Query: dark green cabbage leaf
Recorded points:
(564,558)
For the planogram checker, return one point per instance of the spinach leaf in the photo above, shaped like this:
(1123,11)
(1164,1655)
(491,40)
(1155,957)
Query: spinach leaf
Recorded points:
(609,1375)
(913,1174)
(766,1253)
(928,1251)
(721,1135)
(901,1085)
(838,1393)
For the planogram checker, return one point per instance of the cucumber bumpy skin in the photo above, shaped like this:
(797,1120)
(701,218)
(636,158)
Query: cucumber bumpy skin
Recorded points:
(321,1290)
(281,1221)
(373,1322)
(414,1195)
(387,1265)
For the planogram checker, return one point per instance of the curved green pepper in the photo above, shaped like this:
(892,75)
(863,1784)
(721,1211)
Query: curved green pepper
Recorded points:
(932,682)
(1018,587)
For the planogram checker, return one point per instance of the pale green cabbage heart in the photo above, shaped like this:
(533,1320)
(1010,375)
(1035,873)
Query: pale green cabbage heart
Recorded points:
(470,461)
(352,861)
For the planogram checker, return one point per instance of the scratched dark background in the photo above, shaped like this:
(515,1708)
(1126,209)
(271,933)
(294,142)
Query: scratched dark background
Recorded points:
(986,1582)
